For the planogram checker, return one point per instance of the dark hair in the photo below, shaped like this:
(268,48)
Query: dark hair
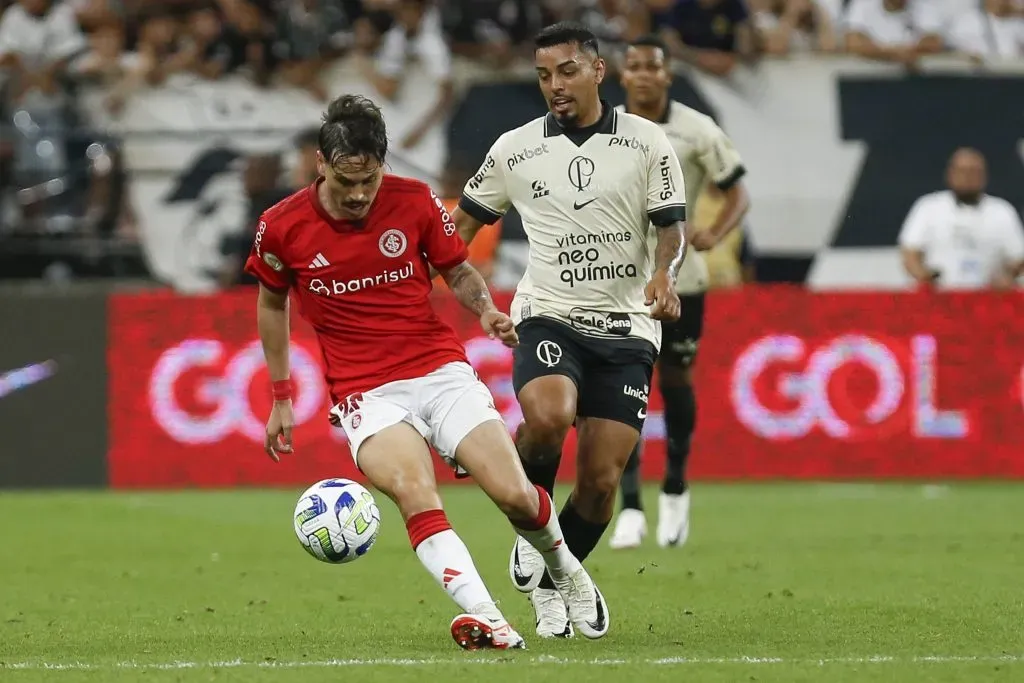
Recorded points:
(567,33)
(353,126)
(651,40)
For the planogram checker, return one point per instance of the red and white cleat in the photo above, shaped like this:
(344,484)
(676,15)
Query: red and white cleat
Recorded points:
(472,632)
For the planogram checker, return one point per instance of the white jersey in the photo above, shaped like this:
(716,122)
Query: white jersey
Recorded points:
(706,155)
(588,199)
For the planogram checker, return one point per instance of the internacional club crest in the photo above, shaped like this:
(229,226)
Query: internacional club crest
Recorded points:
(393,243)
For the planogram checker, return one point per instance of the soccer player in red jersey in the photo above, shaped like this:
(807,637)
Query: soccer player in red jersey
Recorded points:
(355,249)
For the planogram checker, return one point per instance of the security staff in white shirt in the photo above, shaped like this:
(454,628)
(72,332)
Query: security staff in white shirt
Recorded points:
(962,238)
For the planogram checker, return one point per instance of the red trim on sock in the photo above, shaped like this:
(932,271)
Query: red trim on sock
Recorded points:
(543,514)
(423,525)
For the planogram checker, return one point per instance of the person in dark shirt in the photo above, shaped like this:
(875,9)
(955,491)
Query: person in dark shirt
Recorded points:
(263,190)
(712,35)
(492,30)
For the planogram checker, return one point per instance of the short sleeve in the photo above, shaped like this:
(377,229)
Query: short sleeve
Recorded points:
(9,30)
(720,159)
(435,56)
(666,193)
(1013,240)
(485,196)
(66,38)
(266,260)
(928,17)
(391,55)
(914,233)
(440,241)
(858,16)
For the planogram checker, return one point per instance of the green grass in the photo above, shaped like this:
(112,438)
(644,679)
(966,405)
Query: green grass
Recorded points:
(818,579)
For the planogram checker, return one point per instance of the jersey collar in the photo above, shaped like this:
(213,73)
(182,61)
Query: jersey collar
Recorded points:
(606,125)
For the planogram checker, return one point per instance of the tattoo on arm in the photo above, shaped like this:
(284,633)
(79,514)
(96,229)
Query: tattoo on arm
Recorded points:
(469,288)
(671,249)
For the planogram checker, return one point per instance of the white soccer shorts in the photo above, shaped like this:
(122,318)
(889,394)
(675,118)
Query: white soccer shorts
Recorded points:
(443,406)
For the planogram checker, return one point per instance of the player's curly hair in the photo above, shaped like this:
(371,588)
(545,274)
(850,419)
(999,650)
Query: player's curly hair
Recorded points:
(353,126)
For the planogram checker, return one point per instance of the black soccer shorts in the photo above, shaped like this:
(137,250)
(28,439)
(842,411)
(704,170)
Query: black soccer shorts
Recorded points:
(612,376)
(681,339)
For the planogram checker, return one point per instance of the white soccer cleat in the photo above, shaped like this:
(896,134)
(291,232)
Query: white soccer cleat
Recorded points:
(474,632)
(552,615)
(525,566)
(673,519)
(630,529)
(584,604)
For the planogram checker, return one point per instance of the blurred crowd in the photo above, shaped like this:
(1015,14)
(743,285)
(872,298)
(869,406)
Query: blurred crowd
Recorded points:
(75,183)
(133,43)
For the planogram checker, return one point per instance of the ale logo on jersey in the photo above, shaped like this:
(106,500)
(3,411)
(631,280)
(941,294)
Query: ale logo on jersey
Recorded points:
(393,243)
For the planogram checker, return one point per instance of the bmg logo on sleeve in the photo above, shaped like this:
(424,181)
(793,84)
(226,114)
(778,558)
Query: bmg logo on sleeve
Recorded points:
(668,186)
(477,180)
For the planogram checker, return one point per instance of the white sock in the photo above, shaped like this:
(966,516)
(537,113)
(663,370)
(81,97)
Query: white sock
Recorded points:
(546,537)
(447,559)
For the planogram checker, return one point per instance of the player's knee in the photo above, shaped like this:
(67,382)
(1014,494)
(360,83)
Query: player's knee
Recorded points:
(413,496)
(549,429)
(517,500)
(549,408)
(548,419)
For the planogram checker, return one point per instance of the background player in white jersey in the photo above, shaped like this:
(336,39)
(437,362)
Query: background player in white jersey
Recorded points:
(711,166)
(588,182)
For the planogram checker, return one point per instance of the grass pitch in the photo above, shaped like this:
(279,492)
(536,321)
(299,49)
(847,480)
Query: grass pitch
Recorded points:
(778,583)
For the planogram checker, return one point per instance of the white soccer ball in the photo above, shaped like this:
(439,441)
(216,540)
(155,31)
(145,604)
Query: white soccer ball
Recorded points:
(337,520)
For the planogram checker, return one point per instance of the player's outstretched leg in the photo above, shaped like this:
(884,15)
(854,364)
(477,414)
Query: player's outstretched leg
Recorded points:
(631,524)
(397,462)
(549,410)
(488,454)
(680,420)
(603,448)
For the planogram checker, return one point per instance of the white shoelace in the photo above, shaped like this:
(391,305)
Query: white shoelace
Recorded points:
(582,590)
(550,607)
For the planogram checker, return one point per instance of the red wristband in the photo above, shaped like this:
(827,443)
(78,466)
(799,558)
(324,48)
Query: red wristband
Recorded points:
(282,389)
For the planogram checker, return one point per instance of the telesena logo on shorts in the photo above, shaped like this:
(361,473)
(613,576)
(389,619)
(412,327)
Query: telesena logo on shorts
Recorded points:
(587,320)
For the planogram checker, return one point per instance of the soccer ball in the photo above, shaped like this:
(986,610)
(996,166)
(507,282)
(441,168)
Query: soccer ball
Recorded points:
(337,520)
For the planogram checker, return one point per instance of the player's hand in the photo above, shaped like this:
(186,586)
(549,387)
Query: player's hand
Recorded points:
(497,325)
(660,293)
(702,240)
(279,430)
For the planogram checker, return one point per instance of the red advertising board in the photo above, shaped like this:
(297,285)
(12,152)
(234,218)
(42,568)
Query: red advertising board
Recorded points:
(791,384)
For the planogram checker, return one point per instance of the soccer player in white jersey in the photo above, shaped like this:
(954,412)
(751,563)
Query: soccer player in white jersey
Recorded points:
(591,185)
(711,164)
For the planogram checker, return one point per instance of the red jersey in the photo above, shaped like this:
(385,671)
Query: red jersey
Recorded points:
(364,286)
